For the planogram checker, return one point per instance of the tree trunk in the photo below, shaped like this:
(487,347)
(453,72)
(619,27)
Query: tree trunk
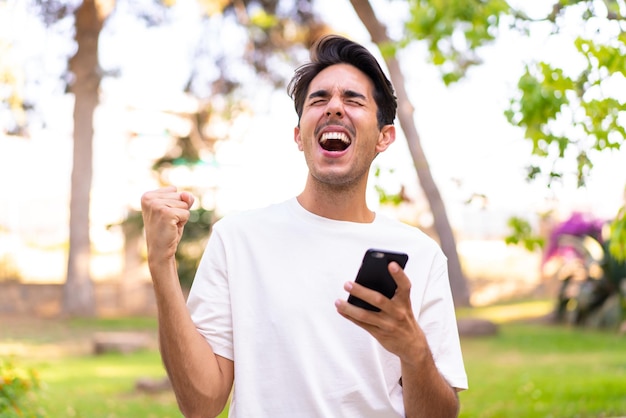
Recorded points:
(78,292)
(378,33)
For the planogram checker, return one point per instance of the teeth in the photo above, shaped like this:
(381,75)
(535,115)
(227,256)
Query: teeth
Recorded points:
(335,135)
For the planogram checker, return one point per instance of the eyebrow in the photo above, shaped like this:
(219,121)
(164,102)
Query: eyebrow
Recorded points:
(346,93)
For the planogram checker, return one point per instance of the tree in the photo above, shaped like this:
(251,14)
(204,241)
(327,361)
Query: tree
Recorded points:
(89,16)
(378,33)
(552,95)
(435,22)
(571,115)
(454,31)
(270,33)
(78,292)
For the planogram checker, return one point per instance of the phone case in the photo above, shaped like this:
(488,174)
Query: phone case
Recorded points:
(375,275)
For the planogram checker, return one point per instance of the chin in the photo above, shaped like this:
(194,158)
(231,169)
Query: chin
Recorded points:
(336,178)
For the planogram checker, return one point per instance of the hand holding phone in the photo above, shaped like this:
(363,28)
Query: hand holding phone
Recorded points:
(374,274)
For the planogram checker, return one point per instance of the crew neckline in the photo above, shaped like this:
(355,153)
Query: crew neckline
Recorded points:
(310,216)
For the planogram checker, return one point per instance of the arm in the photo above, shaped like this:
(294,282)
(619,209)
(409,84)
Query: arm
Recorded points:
(201,380)
(426,393)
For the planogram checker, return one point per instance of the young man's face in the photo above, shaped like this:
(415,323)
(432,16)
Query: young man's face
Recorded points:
(338,129)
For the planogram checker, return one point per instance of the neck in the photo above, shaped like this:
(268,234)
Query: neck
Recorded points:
(340,203)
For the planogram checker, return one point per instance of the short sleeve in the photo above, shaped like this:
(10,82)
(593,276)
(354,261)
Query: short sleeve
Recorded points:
(437,319)
(209,298)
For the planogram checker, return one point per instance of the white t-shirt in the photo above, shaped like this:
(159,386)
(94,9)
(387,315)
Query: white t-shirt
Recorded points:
(264,297)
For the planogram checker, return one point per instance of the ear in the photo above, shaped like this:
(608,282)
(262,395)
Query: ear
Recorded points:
(386,137)
(296,137)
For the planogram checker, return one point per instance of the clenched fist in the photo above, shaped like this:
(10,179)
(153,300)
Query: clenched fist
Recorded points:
(165,212)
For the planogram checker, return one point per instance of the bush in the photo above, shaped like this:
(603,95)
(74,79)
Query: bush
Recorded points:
(17,392)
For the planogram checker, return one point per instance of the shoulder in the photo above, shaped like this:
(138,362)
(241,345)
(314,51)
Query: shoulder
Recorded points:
(254,217)
(402,229)
(411,240)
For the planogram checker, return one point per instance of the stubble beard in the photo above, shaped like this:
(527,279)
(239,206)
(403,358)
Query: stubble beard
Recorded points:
(333,183)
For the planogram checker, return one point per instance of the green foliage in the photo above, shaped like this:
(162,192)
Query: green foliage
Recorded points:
(453,30)
(192,244)
(264,20)
(385,197)
(579,115)
(585,103)
(563,115)
(521,233)
(617,240)
(17,392)
(543,96)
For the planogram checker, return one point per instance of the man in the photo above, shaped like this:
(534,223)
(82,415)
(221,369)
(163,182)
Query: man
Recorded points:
(267,310)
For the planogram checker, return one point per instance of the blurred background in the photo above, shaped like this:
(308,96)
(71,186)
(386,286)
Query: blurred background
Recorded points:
(511,123)
(193,93)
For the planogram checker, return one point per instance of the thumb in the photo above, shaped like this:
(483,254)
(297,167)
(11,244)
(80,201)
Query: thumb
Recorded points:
(187,198)
(399,276)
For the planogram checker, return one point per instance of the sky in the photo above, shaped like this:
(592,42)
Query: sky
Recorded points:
(470,146)
(467,138)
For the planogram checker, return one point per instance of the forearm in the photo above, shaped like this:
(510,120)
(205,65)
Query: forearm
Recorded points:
(200,379)
(426,393)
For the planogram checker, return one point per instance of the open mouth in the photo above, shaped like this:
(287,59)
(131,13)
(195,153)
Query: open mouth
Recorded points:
(335,141)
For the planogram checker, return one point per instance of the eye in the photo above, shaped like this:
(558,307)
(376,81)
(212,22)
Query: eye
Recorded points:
(354,102)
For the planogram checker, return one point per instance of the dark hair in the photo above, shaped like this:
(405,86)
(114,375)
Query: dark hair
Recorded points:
(333,49)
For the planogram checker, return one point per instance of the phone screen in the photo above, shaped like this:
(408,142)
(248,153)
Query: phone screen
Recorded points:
(374,274)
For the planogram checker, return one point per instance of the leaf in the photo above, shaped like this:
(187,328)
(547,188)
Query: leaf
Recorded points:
(521,233)
(617,236)
(454,30)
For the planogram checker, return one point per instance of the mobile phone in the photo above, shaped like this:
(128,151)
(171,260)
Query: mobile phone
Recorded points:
(374,274)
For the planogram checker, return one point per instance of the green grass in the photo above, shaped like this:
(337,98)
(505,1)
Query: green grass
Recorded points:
(535,369)
(513,311)
(86,385)
(543,371)
(530,369)
(138,323)
(103,387)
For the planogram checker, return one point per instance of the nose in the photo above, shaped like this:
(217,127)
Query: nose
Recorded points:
(334,107)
